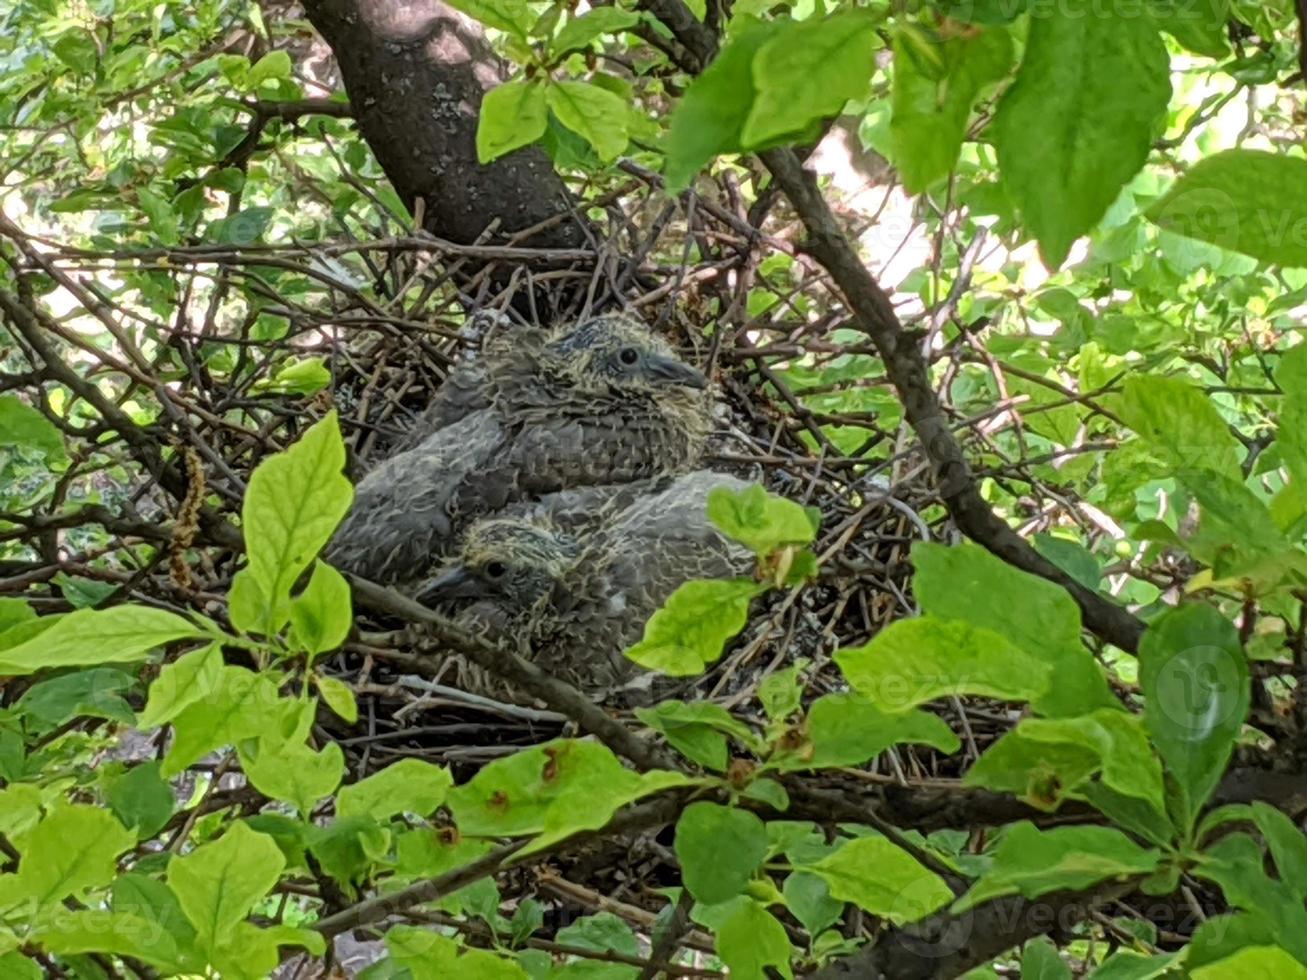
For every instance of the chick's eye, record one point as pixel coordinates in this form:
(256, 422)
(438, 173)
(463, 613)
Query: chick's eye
(496, 569)
(628, 355)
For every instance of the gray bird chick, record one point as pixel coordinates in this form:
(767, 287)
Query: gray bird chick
(579, 598)
(602, 402)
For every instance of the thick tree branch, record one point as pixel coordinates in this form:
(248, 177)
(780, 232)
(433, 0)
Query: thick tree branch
(905, 365)
(415, 73)
(947, 945)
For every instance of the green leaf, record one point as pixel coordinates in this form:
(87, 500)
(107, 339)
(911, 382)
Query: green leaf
(1199, 25)
(1126, 965)
(1080, 119)
(753, 943)
(14, 612)
(781, 692)
(719, 848)
(1291, 433)
(807, 71)
(298, 376)
(294, 502)
(968, 583)
(69, 933)
(935, 85)
(1235, 863)
(1040, 961)
(163, 222)
(848, 730)
(190, 678)
(77, 50)
(697, 730)
(74, 848)
(1072, 557)
(808, 899)
(145, 899)
(1112, 742)
(1288, 846)
(338, 696)
(94, 693)
(291, 770)
(97, 636)
(272, 66)
(592, 112)
(242, 228)
(579, 32)
(1195, 678)
(1247, 201)
(709, 118)
(406, 786)
(512, 115)
(553, 790)
(511, 16)
(1253, 963)
(141, 799)
(16, 966)
(918, 660)
(427, 955)
(218, 884)
(883, 879)
(759, 520)
(601, 933)
(1181, 425)
(691, 629)
(322, 614)
(242, 705)
(250, 610)
(1032, 862)
(22, 425)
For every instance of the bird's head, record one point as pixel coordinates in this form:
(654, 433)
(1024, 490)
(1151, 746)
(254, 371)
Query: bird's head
(509, 562)
(621, 351)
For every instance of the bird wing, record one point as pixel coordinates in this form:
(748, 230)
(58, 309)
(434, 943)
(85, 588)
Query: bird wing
(402, 515)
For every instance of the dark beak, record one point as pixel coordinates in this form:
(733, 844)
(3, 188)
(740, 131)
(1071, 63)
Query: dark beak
(671, 371)
(453, 583)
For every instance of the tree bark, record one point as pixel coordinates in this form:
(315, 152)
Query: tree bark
(416, 71)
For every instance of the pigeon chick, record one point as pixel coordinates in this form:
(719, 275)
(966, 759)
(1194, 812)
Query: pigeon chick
(605, 401)
(579, 598)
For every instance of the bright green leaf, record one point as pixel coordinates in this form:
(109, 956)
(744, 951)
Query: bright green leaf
(190, 678)
(1254, 963)
(338, 696)
(75, 847)
(691, 629)
(1248, 201)
(272, 66)
(1032, 862)
(406, 786)
(807, 71)
(218, 884)
(918, 660)
(294, 502)
(22, 425)
(579, 32)
(719, 848)
(1195, 679)
(592, 112)
(97, 636)
(512, 115)
(553, 790)
(759, 520)
(322, 614)
(932, 98)
(968, 583)
(848, 730)
(753, 943)
(1081, 117)
(883, 879)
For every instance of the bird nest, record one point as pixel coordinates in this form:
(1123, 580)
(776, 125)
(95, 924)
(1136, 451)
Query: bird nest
(803, 408)
(251, 344)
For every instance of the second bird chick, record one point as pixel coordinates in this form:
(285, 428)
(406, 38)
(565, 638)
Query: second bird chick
(579, 598)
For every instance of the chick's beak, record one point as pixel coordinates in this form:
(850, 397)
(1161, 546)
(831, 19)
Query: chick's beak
(453, 583)
(671, 371)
